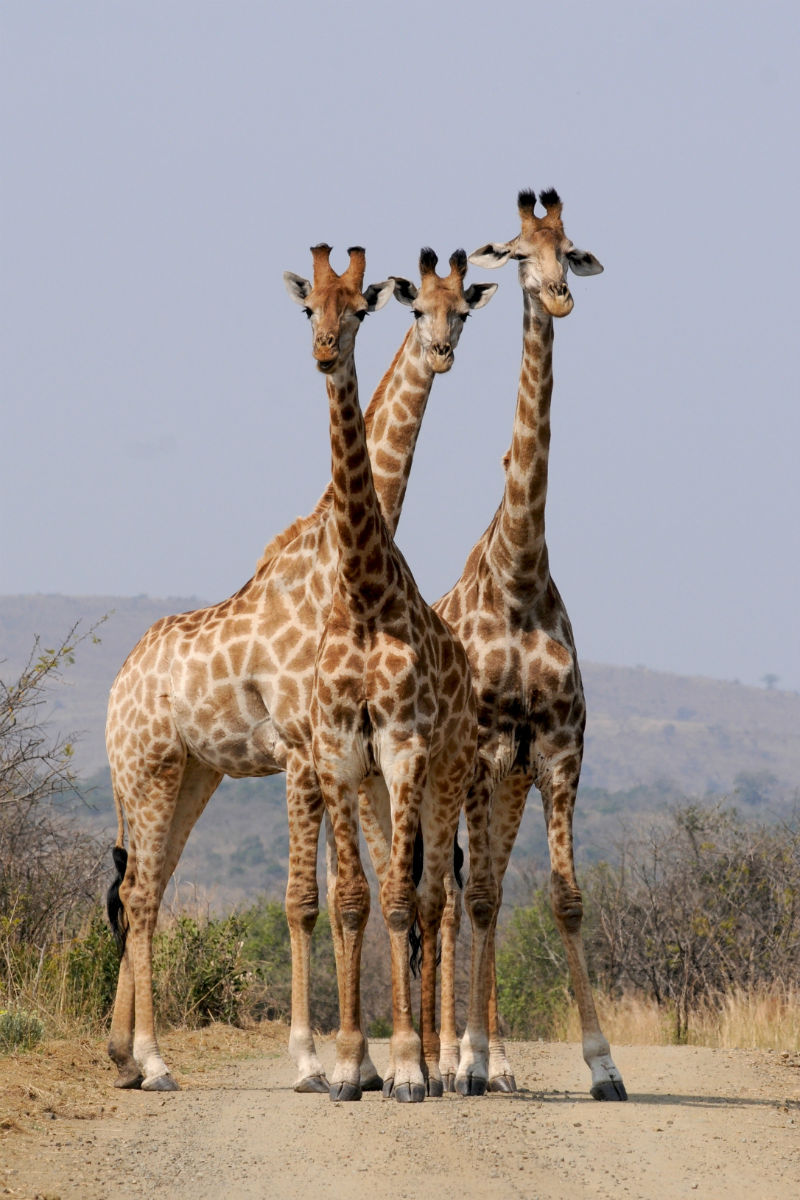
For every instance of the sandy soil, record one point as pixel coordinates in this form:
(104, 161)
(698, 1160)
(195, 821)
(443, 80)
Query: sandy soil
(718, 1124)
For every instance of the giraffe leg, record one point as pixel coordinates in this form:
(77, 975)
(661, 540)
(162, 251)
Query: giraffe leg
(480, 899)
(559, 787)
(305, 808)
(430, 906)
(501, 1074)
(352, 902)
(120, 1042)
(448, 1038)
(155, 851)
(507, 809)
(398, 903)
(141, 896)
(370, 1079)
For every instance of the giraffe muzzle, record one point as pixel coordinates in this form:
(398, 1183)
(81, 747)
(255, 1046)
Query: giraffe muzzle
(441, 357)
(326, 352)
(557, 299)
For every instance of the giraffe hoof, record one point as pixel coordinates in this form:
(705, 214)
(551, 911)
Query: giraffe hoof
(410, 1093)
(388, 1087)
(129, 1079)
(610, 1089)
(435, 1088)
(503, 1083)
(345, 1091)
(313, 1083)
(471, 1085)
(449, 1081)
(161, 1083)
(372, 1083)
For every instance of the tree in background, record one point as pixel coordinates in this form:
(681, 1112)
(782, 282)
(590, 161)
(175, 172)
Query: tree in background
(50, 867)
(703, 904)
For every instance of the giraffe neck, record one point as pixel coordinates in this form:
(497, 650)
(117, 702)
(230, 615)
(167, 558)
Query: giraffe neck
(361, 531)
(393, 419)
(518, 552)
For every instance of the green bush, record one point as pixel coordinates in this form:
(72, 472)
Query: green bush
(267, 950)
(92, 967)
(19, 1030)
(532, 973)
(199, 974)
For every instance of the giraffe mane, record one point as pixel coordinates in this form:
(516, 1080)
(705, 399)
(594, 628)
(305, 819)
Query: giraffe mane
(380, 390)
(288, 535)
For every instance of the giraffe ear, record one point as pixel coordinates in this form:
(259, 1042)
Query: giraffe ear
(479, 294)
(377, 294)
(583, 263)
(493, 254)
(404, 290)
(298, 288)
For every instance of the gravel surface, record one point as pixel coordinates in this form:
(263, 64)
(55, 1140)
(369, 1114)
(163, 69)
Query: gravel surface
(713, 1123)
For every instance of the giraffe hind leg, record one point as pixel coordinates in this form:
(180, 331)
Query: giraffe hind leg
(559, 787)
(181, 794)
(120, 1047)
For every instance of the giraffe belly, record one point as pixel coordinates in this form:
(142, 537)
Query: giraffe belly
(237, 737)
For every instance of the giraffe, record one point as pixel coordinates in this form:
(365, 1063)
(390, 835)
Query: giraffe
(226, 689)
(509, 615)
(391, 696)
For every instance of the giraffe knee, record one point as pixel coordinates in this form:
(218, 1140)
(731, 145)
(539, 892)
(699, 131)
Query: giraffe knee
(567, 904)
(302, 910)
(482, 903)
(399, 906)
(352, 903)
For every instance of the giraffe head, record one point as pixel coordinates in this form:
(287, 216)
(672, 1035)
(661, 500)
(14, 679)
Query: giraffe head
(441, 306)
(335, 304)
(544, 253)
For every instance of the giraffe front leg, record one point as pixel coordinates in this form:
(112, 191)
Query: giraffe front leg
(501, 1073)
(305, 809)
(559, 787)
(352, 902)
(371, 1081)
(507, 809)
(448, 1038)
(405, 1079)
(480, 898)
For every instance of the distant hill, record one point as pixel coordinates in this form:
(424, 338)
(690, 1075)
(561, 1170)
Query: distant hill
(652, 738)
(644, 727)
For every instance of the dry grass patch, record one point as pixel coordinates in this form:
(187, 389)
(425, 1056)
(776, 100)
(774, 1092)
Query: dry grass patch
(765, 1019)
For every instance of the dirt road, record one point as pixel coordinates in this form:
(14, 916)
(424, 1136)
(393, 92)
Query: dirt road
(721, 1125)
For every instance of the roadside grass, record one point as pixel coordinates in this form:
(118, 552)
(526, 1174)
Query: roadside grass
(767, 1019)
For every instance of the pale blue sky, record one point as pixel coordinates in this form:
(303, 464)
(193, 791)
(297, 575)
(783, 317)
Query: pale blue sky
(165, 162)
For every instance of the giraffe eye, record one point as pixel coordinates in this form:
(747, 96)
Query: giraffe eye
(463, 316)
(360, 316)
(307, 311)
(416, 313)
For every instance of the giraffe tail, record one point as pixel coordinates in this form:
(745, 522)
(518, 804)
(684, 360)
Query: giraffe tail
(415, 932)
(114, 906)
